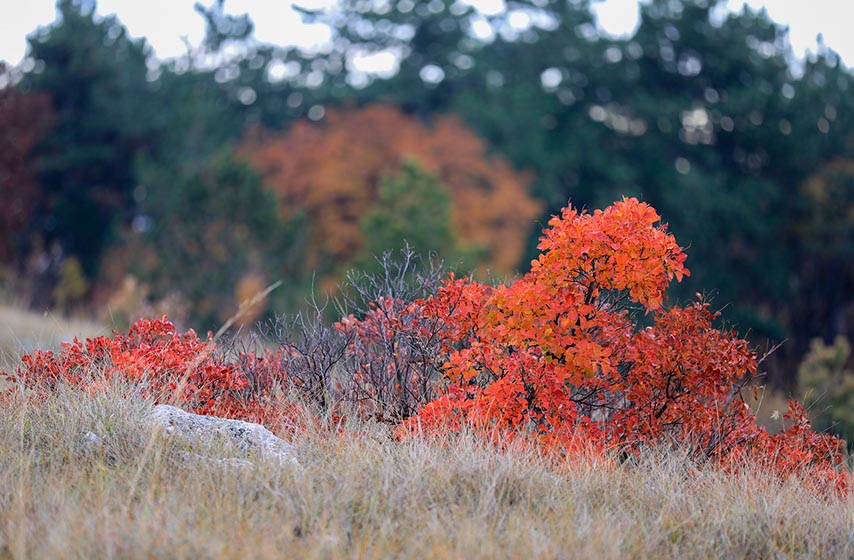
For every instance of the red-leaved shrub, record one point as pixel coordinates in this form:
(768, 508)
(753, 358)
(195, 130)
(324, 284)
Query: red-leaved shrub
(166, 365)
(558, 357)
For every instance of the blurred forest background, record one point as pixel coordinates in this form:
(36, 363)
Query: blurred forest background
(132, 185)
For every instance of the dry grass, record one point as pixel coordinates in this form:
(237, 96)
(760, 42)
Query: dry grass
(367, 496)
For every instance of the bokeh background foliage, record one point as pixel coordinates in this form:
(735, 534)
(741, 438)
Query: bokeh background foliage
(187, 185)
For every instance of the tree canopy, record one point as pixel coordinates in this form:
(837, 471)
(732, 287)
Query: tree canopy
(703, 113)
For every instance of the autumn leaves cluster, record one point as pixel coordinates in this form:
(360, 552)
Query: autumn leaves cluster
(579, 355)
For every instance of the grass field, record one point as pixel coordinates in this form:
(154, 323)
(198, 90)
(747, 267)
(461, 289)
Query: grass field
(362, 494)
(368, 496)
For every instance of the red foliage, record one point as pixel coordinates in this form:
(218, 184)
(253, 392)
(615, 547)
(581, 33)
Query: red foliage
(557, 356)
(166, 365)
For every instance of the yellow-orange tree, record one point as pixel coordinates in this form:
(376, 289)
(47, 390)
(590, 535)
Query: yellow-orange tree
(331, 171)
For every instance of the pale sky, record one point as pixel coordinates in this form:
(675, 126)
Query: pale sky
(165, 22)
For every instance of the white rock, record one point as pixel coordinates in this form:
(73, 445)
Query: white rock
(202, 432)
(232, 463)
(89, 442)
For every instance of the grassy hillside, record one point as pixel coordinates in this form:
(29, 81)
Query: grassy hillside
(372, 497)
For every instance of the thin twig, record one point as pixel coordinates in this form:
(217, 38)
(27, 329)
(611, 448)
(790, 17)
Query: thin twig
(245, 305)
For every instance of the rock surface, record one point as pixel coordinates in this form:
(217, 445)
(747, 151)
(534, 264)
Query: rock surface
(89, 443)
(206, 433)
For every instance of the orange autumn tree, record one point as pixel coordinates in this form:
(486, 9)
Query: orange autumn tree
(331, 171)
(558, 356)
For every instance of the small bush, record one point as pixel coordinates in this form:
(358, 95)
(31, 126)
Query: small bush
(167, 366)
(826, 381)
(395, 348)
(559, 357)
(382, 360)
